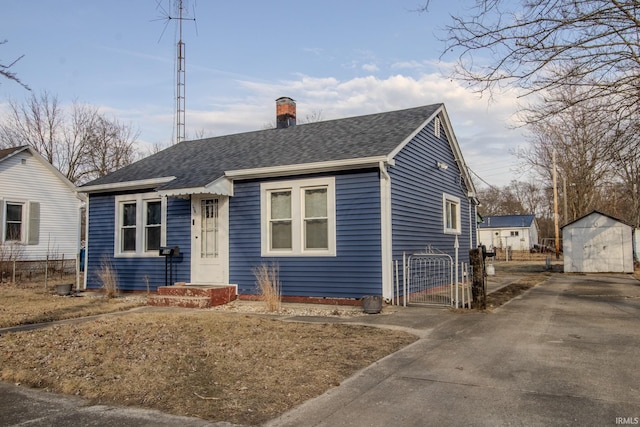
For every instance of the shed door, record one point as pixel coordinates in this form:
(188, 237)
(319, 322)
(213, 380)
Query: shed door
(599, 250)
(209, 240)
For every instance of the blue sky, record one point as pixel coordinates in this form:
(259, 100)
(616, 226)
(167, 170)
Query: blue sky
(341, 58)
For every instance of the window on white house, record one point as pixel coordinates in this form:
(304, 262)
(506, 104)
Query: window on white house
(515, 233)
(451, 214)
(140, 224)
(14, 222)
(298, 217)
(20, 221)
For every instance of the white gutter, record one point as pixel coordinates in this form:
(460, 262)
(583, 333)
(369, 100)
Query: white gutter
(127, 185)
(316, 167)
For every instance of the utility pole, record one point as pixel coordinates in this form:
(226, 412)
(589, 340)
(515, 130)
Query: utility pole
(555, 205)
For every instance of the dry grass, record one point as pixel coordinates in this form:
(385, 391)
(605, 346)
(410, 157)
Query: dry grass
(219, 366)
(268, 285)
(31, 303)
(533, 272)
(108, 276)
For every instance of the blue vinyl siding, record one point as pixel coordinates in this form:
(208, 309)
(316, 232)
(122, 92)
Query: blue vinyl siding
(132, 271)
(356, 269)
(417, 188)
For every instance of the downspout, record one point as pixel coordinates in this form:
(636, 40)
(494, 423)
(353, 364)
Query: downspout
(86, 242)
(470, 226)
(386, 232)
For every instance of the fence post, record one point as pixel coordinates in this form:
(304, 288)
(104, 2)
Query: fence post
(478, 290)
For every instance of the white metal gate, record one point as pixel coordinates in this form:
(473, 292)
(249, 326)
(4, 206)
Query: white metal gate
(430, 279)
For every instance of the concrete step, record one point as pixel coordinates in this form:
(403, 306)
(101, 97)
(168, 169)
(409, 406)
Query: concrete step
(179, 301)
(193, 296)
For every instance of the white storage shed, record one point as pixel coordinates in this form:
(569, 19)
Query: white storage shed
(597, 243)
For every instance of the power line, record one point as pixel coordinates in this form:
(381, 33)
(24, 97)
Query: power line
(482, 179)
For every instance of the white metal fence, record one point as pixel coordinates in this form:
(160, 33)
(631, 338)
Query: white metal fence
(433, 278)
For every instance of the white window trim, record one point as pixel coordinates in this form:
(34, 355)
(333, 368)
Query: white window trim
(455, 200)
(297, 188)
(141, 212)
(24, 224)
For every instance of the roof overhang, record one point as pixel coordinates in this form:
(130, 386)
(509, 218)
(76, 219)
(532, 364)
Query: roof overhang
(222, 186)
(453, 143)
(142, 184)
(306, 168)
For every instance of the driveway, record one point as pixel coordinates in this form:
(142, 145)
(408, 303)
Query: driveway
(565, 353)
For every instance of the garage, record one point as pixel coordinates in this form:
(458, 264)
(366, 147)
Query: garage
(597, 243)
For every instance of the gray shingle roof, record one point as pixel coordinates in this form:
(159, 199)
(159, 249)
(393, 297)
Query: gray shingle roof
(197, 163)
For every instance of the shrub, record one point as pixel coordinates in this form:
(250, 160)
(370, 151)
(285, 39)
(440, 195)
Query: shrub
(108, 276)
(268, 285)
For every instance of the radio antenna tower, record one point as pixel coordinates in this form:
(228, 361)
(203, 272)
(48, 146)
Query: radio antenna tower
(180, 67)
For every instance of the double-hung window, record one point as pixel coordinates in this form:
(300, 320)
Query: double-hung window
(19, 222)
(140, 224)
(14, 222)
(451, 214)
(128, 226)
(153, 225)
(298, 217)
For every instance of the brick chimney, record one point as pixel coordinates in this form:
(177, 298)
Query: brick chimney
(285, 112)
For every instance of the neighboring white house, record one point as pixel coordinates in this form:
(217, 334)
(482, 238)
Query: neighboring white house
(597, 243)
(520, 232)
(39, 208)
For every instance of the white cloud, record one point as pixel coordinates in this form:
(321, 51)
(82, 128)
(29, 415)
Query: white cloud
(482, 128)
(371, 68)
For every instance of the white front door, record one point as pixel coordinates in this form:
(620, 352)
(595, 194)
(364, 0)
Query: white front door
(209, 240)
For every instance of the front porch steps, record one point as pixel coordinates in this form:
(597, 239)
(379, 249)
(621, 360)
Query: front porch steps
(193, 296)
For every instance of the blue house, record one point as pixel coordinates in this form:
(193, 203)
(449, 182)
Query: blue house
(332, 203)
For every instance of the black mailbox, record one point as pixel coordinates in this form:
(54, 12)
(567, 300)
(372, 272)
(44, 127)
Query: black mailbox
(485, 253)
(168, 253)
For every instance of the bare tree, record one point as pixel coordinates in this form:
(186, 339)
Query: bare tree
(79, 141)
(109, 145)
(541, 46)
(582, 136)
(624, 195)
(499, 201)
(5, 70)
(37, 122)
(530, 196)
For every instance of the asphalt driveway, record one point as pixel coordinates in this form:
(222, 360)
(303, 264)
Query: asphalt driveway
(565, 353)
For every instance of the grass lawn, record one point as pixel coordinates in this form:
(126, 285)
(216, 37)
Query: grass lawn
(219, 366)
